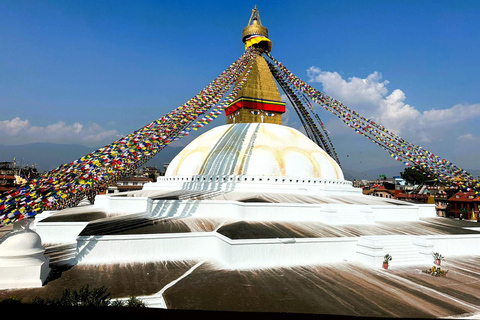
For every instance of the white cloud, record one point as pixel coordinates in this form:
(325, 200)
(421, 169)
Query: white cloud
(452, 116)
(18, 131)
(469, 138)
(370, 97)
(356, 91)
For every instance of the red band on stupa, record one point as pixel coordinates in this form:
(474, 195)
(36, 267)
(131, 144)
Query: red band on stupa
(259, 104)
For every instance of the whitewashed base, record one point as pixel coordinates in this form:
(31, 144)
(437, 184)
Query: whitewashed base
(20, 276)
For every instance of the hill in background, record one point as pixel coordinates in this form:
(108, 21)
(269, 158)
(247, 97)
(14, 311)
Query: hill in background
(48, 156)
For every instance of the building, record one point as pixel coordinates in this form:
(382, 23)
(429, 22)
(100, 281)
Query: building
(135, 182)
(130, 183)
(12, 176)
(153, 172)
(379, 191)
(433, 194)
(441, 203)
(463, 205)
(7, 176)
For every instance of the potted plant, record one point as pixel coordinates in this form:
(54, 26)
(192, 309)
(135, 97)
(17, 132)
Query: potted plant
(386, 259)
(437, 257)
(436, 271)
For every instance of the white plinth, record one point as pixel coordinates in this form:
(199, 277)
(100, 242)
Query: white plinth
(22, 260)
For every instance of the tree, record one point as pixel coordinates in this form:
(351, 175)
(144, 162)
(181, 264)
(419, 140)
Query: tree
(415, 175)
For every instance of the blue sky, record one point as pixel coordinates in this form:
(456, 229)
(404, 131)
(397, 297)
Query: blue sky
(88, 72)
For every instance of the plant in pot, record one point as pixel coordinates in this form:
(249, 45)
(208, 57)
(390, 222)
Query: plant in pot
(437, 257)
(386, 259)
(436, 271)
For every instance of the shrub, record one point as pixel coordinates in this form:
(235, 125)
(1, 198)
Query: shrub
(97, 297)
(84, 297)
(11, 301)
(131, 302)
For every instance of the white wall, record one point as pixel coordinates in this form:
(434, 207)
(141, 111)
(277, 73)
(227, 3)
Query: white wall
(210, 245)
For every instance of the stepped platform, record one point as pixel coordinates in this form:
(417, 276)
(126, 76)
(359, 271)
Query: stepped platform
(258, 244)
(316, 266)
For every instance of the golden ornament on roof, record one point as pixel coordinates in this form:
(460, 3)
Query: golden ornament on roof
(256, 34)
(254, 26)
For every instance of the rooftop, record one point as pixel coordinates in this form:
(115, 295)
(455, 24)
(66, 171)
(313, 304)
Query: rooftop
(329, 289)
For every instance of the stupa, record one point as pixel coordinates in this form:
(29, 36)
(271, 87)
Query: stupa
(255, 216)
(252, 169)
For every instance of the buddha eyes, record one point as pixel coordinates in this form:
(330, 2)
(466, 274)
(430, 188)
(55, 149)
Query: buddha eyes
(257, 112)
(234, 114)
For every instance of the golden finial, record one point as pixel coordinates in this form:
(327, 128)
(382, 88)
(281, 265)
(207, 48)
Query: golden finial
(254, 29)
(255, 16)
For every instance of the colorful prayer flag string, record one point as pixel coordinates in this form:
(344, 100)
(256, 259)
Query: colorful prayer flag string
(399, 148)
(68, 184)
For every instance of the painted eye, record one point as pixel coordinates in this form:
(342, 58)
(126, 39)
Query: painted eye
(255, 112)
(269, 114)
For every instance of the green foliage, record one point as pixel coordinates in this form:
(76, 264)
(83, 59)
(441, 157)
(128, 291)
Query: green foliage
(135, 302)
(415, 175)
(437, 256)
(387, 258)
(131, 302)
(96, 297)
(84, 297)
(11, 301)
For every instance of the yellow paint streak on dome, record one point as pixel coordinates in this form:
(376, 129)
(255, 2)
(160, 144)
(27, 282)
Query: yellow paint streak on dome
(202, 146)
(265, 149)
(277, 155)
(280, 154)
(334, 164)
(308, 154)
(187, 154)
(336, 167)
(275, 144)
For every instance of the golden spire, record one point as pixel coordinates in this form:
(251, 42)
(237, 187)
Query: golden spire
(255, 17)
(259, 99)
(255, 33)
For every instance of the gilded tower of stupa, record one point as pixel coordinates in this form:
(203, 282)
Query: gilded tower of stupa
(259, 100)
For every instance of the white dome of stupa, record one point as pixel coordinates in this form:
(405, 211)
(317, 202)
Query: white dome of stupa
(254, 149)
